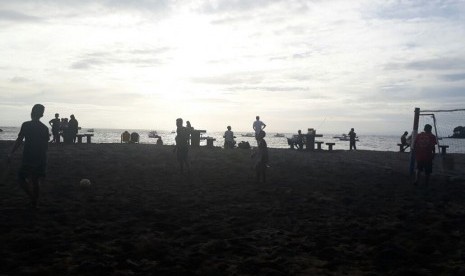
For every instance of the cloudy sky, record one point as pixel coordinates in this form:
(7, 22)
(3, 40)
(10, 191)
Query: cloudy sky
(327, 64)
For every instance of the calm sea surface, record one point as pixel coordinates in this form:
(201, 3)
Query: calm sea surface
(367, 142)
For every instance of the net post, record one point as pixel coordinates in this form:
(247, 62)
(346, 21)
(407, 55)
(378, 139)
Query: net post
(416, 119)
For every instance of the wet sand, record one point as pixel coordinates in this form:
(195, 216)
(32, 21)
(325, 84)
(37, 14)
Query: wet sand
(320, 213)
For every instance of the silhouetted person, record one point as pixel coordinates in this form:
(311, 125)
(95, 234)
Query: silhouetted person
(258, 126)
(34, 162)
(300, 140)
(159, 141)
(189, 130)
(404, 141)
(425, 149)
(261, 157)
(352, 137)
(73, 127)
(125, 137)
(229, 138)
(56, 124)
(182, 145)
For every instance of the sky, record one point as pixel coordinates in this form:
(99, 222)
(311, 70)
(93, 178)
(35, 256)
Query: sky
(329, 65)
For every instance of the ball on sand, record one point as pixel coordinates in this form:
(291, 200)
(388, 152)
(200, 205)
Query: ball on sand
(84, 182)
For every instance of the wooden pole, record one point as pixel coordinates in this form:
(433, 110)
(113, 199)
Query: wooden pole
(416, 119)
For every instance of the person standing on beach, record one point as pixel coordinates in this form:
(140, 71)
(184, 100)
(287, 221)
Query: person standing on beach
(34, 162)
(424, 147)
(182, 145)
(261, 158)
(73, 126)
(229, 138)
(189, 130)
(56, 123)
(352, 137)
(258, 126)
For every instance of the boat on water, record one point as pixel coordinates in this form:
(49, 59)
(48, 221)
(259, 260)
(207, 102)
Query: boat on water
(279, 135)
(153, 134)
(250, 134)
(344, 137)
(90, 130)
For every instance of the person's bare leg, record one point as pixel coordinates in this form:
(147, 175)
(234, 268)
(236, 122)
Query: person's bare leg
(35, 191)
(25, 185)
(417, 176)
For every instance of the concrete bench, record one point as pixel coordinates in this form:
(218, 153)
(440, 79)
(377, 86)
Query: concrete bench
(330, 146)
(403, 147)
(443, 149)
(210, 141)
(318, 144)
(88, 138)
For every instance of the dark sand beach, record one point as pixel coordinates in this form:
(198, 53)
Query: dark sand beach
(321, 213)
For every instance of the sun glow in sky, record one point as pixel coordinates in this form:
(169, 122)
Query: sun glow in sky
(330, 65)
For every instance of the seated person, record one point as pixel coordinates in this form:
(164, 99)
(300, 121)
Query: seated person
(405, 141)
(159, 141)
(229, 138)
(296, 140)
(125, 137)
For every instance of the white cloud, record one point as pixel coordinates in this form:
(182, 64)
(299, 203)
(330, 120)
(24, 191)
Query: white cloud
(297, 63)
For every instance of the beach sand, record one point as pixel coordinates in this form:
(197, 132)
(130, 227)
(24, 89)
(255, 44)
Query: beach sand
(320, 213)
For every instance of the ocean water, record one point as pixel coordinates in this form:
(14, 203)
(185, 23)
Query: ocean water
(366, 142)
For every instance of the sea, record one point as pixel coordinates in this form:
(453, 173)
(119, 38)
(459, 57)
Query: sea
(366, 142)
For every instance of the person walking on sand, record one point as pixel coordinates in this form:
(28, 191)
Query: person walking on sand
(56, 123)
(229, 138)
(261, 158)
(258, 126)
(424, 147)
(34, 161)
(182, 145)
(352, 137)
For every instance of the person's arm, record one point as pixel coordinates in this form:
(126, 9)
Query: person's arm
(264, 126)
(17, 144)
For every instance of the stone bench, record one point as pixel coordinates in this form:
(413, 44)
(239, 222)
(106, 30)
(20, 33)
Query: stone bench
(330, 146)
(318, 144)
(88, 138)
(210, 141)
(443, 149)
(403, 147)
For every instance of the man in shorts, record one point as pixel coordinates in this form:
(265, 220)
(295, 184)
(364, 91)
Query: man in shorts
(34, 162)
(424, 147)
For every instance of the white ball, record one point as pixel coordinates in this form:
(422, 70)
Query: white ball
(84, 182)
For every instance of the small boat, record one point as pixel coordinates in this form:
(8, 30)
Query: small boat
(90, 130)
(174, 131)
(153, 134)
(279, 135)
(250, 134)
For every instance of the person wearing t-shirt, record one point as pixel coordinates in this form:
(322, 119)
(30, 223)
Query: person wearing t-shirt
(258, 126)
(34, 161)
(424, 147)
(56, 123)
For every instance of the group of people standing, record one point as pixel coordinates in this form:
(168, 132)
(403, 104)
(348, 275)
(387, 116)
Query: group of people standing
(36, 136)
(65, 128)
